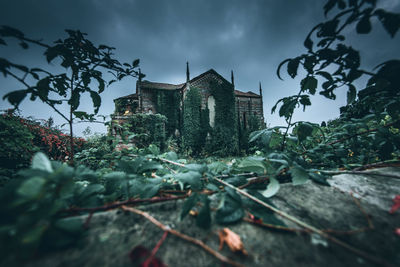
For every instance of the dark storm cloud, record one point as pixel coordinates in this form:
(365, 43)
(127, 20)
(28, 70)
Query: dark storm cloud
(250, 37)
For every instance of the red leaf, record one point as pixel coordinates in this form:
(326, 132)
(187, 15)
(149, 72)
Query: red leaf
(396, 204)
(397, 231)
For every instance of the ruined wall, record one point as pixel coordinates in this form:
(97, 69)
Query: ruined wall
(147, 95)
(248, 106)
(204, 85)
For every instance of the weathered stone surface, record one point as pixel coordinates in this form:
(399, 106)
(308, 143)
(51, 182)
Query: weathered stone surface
(113, 234)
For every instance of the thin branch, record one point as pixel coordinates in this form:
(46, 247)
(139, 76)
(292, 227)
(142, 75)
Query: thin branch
(121, 203)
(308, 227)
(45, 101)
(192, 240)
(172, 162)
(388, 163)
(147, 262)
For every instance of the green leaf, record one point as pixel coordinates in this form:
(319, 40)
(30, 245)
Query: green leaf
(16, 97)
(385, 150)
(201, 168)
(304, 130)
(308, 43)
(230, 212)
(272, 188)
(288, 106)
(309, 83)
(233, 194)
(351, 94)
(171, 156)
(51, 53)
(217, 167)
(260, 211)
(305, 101)
(252, 164)
(204, 218)
(150, 190)
(192, 178)
(135, 63)
(32, 187)
(293, 66)
(299, 175)
(189, 204)
(74, 100)
(364, 25)
(390, 21)
(34, 235)
(81, 115)
(318, 178)
(329, 5)
(278, 70)
(71, 225)
(96, 101)
(154, 149)
(8, 31)
(41, 162)
(326, 75)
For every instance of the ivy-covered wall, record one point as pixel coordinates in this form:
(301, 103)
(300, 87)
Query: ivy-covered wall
(224, 135)
(193, 139)
(168, 103)
(141, 129)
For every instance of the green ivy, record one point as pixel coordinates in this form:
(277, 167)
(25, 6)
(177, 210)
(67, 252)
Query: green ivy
(168, 104)
(193, 134)
(146, 129)
(224, 136)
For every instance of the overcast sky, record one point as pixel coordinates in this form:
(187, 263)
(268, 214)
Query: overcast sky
(249, 37)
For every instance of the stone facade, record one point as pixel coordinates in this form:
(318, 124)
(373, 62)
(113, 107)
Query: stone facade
(247, 103)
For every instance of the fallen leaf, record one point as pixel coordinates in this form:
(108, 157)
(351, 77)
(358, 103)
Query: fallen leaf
(397, 231)
(193, 212)
(232, 240)
(396, 204)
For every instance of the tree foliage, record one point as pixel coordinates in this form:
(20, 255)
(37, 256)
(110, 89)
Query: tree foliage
(84, 64)
(335, 64)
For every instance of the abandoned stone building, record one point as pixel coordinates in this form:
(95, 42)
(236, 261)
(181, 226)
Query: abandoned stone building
(144, 100)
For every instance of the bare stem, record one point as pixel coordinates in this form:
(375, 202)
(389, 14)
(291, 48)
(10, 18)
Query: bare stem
(192, 240)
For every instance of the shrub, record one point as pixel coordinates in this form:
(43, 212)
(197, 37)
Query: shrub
(144, 129)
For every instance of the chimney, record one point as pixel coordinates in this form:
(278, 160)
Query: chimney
(232, 79)
(187, 72)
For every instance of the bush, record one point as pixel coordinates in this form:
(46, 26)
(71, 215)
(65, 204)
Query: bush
(21, 138)
(145, 129)
(97, 152)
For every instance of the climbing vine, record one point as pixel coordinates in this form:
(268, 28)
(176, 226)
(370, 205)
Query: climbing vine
(168, 104)
(193, 138)
(224, 136)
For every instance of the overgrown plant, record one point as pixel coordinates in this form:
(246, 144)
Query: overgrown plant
(327, 50)
(84, 63)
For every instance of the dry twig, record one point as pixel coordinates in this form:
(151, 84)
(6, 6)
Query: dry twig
(183, 236)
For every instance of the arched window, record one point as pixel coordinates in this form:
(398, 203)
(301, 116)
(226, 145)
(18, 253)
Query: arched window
(211, 108)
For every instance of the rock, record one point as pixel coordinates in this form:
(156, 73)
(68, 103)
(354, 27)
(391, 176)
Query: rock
(113, 234)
